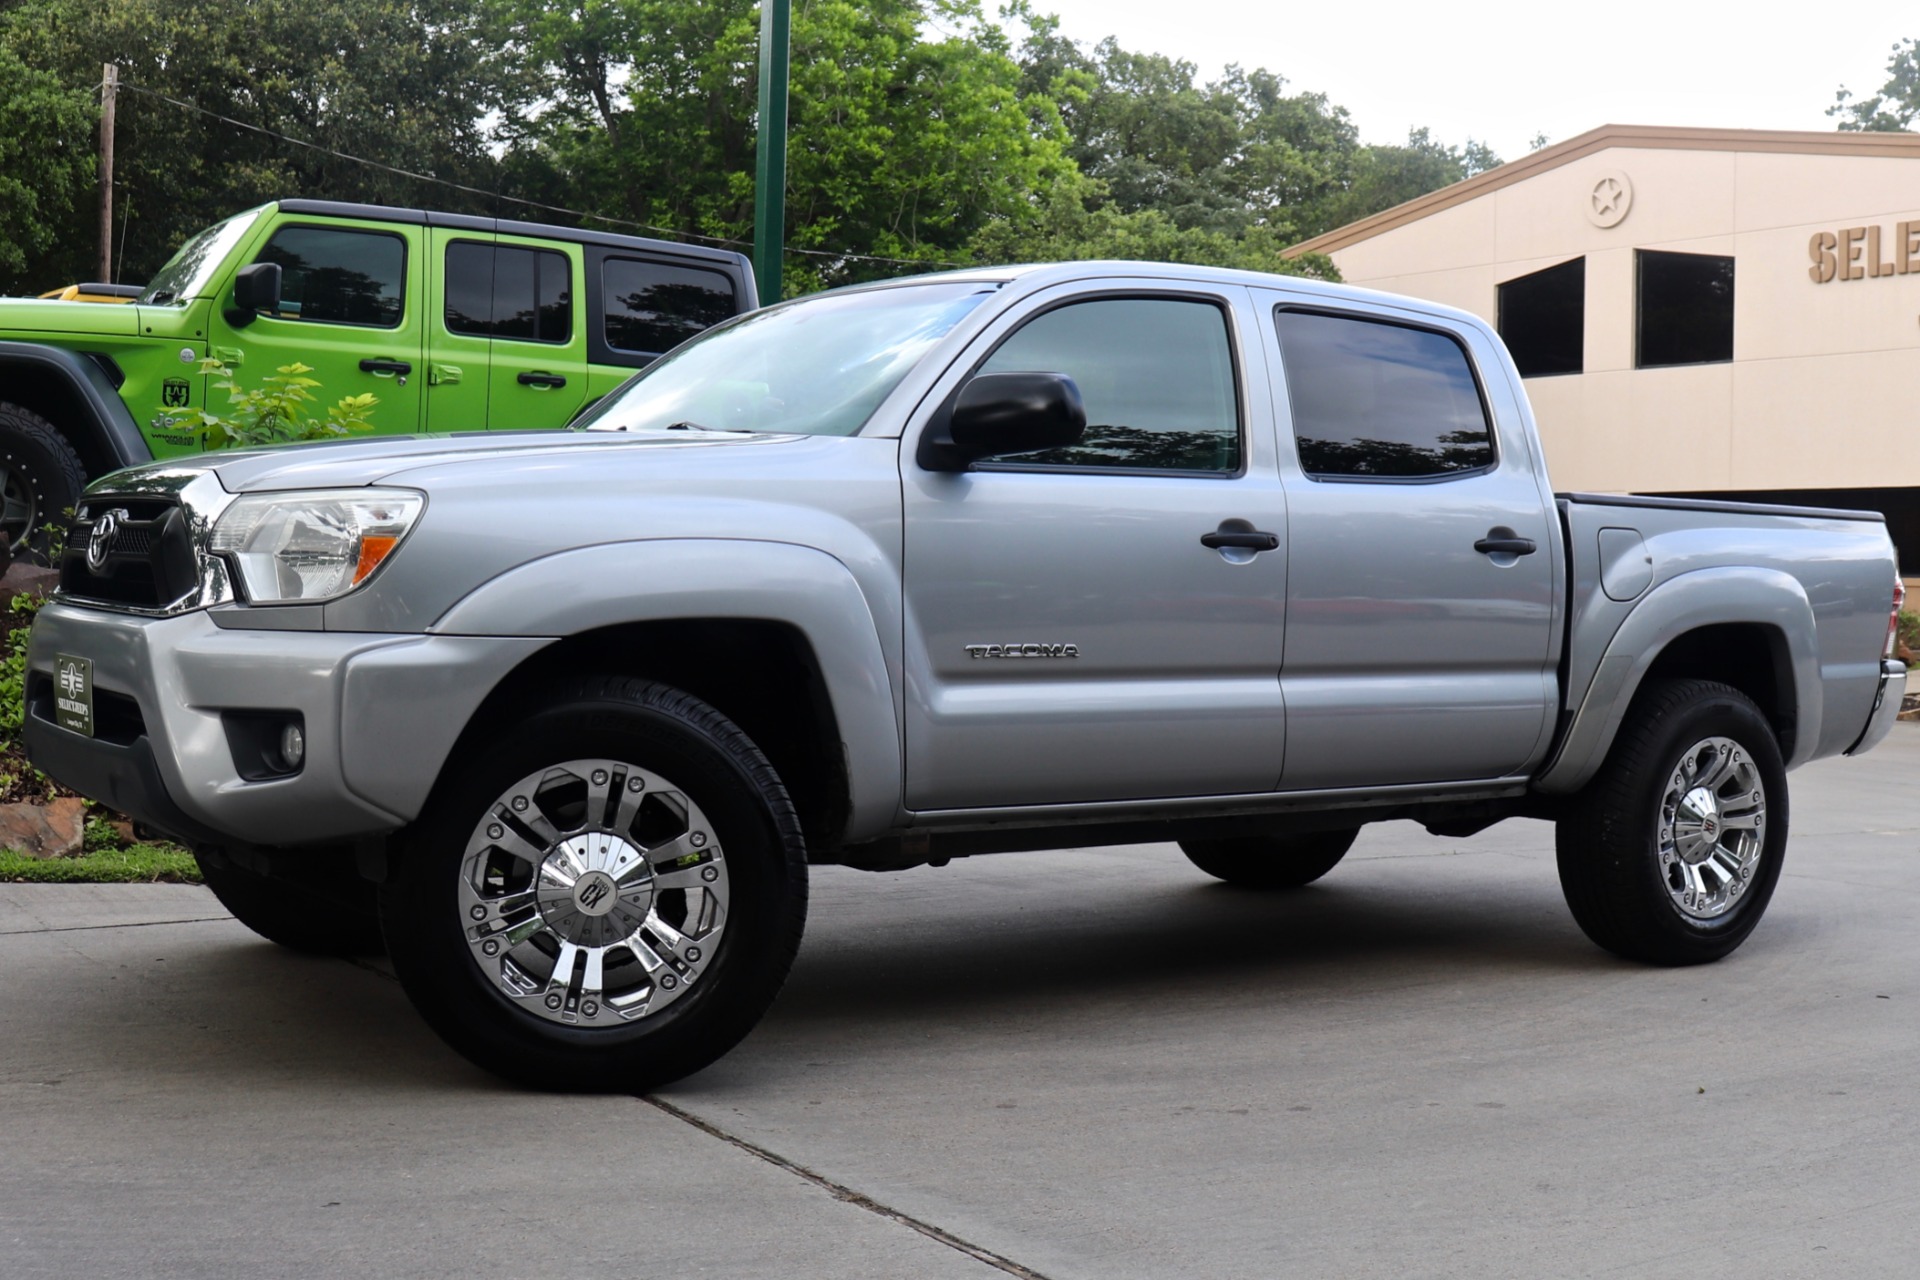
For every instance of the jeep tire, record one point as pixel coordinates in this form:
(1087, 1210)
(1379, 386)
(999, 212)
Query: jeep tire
(40, 480)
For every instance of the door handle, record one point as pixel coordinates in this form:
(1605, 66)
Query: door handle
(371, 365)
(542, 380)
(1250, 540)
(1501, 540)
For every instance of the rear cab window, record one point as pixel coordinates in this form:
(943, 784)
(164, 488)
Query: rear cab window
(1374, 399)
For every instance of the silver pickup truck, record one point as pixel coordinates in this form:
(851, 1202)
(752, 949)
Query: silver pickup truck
(1012, 559)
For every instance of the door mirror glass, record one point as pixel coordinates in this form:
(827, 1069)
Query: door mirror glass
(256, 288)
(999, 413)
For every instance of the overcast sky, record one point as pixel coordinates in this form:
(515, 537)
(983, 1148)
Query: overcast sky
(1503, 70)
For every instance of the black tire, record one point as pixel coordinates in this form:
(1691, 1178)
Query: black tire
(755, 851)
(341, 919)
(1613, 868)
(40, 480)
(1277, 862)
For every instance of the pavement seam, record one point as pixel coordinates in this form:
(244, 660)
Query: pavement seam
(845, 1194)
(130, 924)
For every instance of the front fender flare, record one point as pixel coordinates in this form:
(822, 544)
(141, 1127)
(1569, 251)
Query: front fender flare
(110, 425)
(659, 580)
(1702, 598)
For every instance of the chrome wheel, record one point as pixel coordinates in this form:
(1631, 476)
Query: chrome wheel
(1712, 828)
(593, 893)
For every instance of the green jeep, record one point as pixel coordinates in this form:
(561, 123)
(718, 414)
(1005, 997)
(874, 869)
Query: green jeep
(455, 323)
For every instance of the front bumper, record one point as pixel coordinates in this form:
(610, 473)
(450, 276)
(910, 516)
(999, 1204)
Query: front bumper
(381, 715)
(1886, 706)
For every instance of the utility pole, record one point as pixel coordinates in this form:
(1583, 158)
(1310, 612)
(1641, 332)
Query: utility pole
(770, 169)
(109, 90)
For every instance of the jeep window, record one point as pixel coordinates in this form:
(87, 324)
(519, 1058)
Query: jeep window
(1373, 400)
(507, 292)
(189, 272)
(1156, 375)
(816, 366)
(652, 307)
(335, 276)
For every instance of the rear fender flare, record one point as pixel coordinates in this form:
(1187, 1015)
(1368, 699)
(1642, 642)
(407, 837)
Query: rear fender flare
(1703, 598)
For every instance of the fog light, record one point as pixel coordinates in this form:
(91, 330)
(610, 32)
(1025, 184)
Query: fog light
(293, 746)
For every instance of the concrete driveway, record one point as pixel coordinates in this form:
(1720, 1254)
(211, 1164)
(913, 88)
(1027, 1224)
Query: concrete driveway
(1083, 1064)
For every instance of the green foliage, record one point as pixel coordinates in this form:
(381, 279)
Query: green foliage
(275, 412)
(139, 864)
(1909, 631)
(13, 673)
(46, 158)
(407, 82)
(1895, 107)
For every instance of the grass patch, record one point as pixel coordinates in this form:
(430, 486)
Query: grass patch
(137, 864)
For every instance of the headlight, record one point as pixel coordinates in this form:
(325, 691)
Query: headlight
(288, 547)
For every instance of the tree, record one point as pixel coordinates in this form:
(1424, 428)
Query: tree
(1384, 176)
(909, 128)
(46, 159)
(406, 82)
(1895, 107)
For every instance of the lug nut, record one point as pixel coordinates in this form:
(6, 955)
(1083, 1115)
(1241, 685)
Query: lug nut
(590, 1009)
(553, 1001)
(709, 874)
(519, 804)
(599, 777)
(698, 839)
(693, 953)
(491, 947)
(636, 784)
(496, 831)
(477, 911)
(669, 982)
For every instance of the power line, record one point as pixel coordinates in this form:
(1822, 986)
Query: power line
(665, 232)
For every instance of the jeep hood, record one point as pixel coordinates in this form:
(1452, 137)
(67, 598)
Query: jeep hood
(21, 318)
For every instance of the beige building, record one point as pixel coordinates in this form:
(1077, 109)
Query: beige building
(1697, 311)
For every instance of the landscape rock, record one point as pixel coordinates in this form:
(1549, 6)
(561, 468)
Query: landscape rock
(26, 580)
(51, 830)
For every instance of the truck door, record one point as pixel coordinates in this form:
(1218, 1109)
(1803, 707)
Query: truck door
(1068, 635)
(460, 331)
(1420, 601)
(351, 309)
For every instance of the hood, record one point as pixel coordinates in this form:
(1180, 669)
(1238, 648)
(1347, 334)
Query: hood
(342, 464)
(27, 316)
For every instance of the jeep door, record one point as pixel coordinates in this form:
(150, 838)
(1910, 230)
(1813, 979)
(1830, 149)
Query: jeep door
(351, 309)
(1421, 602)
(539, 373)
(1068, 635)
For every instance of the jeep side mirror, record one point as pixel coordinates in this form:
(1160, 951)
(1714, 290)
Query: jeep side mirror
(256, 288)
(999, 413)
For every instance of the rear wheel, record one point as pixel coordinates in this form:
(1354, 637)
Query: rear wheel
(1271, 862)
(604, 896)
(1670, 855)
(40, 479)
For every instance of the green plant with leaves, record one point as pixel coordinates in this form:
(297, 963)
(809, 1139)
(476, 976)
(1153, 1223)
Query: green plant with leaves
(13, 670)
(278, 411)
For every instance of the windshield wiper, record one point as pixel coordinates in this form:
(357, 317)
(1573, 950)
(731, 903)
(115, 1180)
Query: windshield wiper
(697, 426)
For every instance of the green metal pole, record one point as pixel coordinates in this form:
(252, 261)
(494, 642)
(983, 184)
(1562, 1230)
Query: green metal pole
(770, 172)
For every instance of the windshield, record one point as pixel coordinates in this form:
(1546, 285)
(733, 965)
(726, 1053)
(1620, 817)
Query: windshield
(818, 366)
(190, 270)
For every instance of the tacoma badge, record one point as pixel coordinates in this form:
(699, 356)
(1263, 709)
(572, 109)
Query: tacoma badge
(1023, 651)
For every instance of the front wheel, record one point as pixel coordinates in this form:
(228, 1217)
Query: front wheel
(40, 479)
(1278, 862)
(604, 896)
(1670, 855)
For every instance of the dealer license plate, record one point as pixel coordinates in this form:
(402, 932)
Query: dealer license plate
(73, 693)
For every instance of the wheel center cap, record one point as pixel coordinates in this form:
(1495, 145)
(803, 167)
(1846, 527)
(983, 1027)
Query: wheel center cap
(594, 894)
(1697, 824)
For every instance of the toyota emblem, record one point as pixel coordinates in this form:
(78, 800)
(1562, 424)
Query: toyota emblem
(100, 544)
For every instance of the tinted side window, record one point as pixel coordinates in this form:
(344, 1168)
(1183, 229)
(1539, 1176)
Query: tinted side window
(469, 288)
(1156, 375)
(339, 276)
(532, 295)
(652, 307)
(1543, 319)
(1374, 399)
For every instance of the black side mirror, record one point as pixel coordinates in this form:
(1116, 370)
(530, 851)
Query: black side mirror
(256, 288)
(1000, 413)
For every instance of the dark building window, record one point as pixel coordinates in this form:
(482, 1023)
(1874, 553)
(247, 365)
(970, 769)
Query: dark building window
(1373, 399)
(1543, 319)
(1685, 313)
